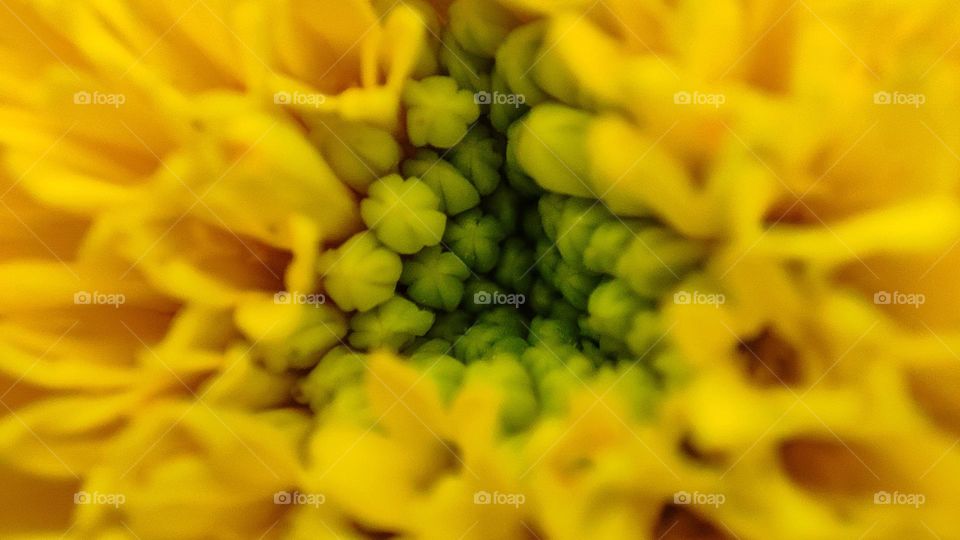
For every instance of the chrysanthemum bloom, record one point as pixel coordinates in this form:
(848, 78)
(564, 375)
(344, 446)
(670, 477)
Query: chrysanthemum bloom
(479, 269)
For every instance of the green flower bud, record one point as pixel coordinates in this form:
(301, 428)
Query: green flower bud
(519, 51)
(516, 177)
(359, 154)
(551, 147)
(456, 193)
(556, 386)
(450, 326)
(438, 113)
(475, 238)
(479, 157)
(403, 214)
(469, 70)
(290, 336)
(360, 273)
(503, 113)
(656, 259)
(577, 222)
(516, 269)
(542, 296)
(550, 207)
(481, 340)
(339, 369)
(553, 332)
(612, 307)
(607, 244)
(574, 284)
(480, 26)
(428, 348)
(506, 205)
(445, 371)
(434, 278)
(520, 407)
(547, 258)
(510, 318)
(392, 325)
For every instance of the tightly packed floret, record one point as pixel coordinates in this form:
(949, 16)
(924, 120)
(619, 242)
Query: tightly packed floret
(531, 290)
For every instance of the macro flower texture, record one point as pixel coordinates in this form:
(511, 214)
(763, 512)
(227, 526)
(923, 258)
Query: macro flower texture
(479, 269)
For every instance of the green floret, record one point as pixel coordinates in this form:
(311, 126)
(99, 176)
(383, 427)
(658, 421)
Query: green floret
(428, 348)
(656, 259)
(438, 113)
(516, 177)
(499, 331)
(542, 296)
(612, 307)
(553, 332)
(564, 311)
(450, 326)
(636, 384)
(551, 147)
(455, 192)
(475, 238)
(519, 407)
(550, 207)
(404, 214)
(578, 220)
(515, 269)
(479, 341)
(506, 205)
(510, 318)
(445, 371)
(361, 273)
(505, 112)
(480, 26)
(320, 329)
(546, 258)
(479, 157)
(574, 284)
(358, 153)
(607, 244)
(392, 325)
(556, 386)
(469, 70)
(337, 370)
(434, 278)
(519, 51)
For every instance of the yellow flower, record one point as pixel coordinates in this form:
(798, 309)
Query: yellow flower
(741, 274)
